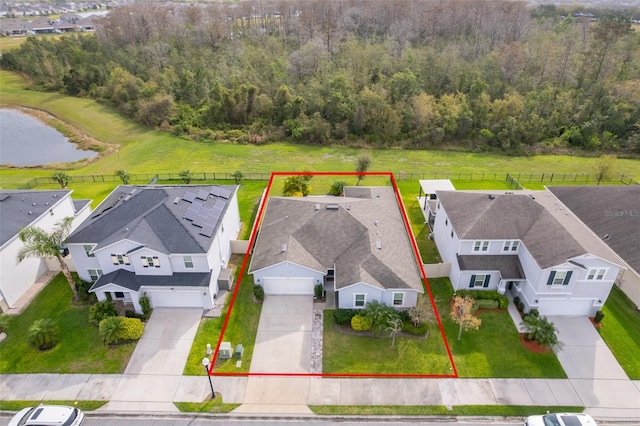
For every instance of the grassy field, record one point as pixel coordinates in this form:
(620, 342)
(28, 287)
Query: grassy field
(146, 151)
(495, 349)
(79, 349)
(621, 331)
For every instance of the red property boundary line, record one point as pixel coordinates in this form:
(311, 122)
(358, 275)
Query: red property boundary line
(414, 245)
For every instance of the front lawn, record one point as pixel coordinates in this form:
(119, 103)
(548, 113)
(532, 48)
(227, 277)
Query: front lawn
(79, 349)
(349, 354)
(495, 349)
(241, 328)
(440, 410)
(621, 331)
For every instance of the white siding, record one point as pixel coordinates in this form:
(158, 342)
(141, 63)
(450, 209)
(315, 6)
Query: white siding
(287, 269)
(288, 286)
(346, 295)
(178, 297)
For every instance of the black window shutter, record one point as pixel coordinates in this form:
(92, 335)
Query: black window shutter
(552, 275)
(567, 278)
(486, 281)
(473, 280)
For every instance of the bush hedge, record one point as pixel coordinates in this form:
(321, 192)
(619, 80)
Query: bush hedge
(502, 300)
(102, 310)
(486, 304)
(409, 328)
(132, 328)
(343, 316)
(361, 323)
(258, 292)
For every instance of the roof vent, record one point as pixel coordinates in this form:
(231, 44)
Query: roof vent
(33, 204)
(29, 211)
(376, 223)
(379, 245)
(176, 200)
(491, 196)
(55, 195)
(332, 207)
(606, 237)
(283, 248)
(317, 207)
(348, 206)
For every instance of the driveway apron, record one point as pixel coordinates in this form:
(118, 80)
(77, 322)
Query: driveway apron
(283, 341)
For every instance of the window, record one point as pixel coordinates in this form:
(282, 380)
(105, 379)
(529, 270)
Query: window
(188, 261)
(438, 206)
(148, 261)
(559, 278)
(452, 233)
(398, 299)
(119, 295)
(481, 246)
(479, 281)
(120, 259)
(446, 222)
(359, 300)
(510, 246)
(94, 274)
(596, 274)
(87, 249)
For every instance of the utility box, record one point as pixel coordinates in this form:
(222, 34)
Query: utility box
(239, 350)
(225, 351)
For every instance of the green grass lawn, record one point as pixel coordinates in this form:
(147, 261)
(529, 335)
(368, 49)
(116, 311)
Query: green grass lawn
(440, 410)
(82, 405)
(495, 349)
(621, 331)
(349, 354)
(409, 190)
(79, 350)
(211, 406)
(241, 328)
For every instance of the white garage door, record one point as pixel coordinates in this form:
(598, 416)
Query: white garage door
(285, 285)
(565, 307)
(182, 298)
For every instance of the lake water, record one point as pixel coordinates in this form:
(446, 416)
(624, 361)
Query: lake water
(25, 141)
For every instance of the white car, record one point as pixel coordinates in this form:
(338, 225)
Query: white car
(560, 419)
(48, 415)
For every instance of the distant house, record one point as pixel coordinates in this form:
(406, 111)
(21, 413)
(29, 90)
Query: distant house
(612, 213)
(170, 243)
(523, 244)
(20, 209)
(356, 246)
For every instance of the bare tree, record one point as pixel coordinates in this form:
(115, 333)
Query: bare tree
(363, 162)
(605, 167)
(461, 314)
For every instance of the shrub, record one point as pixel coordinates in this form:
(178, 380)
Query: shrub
(102, 310)
(132, 328)
(534, 312)
(486, 304)
(520, 307)
(361, 323)
(540, 330)
(501, 299)
(318, 290)
(408, 327)
(43, 333)
(516, 300)
(343, 316)
(258, 292)
(110, 330)
(145, 304)
(599, 316)
(83, 289)
(337, 188)
(4, 321)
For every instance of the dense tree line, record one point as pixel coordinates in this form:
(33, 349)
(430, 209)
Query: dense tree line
(480, 74)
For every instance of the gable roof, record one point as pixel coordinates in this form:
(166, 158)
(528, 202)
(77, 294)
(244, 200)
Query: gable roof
(482, 216)
(342, 232)
(20, 208)
(611, 212)
(134, 282)
(154, 216)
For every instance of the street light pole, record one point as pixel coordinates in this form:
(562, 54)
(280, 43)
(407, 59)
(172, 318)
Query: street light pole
(205, 363)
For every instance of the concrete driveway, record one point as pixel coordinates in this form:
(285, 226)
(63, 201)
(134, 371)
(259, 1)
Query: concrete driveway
(584, 354)
(283, 341)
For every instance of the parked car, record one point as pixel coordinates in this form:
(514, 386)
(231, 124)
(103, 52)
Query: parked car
(48, 415)
(560, 419)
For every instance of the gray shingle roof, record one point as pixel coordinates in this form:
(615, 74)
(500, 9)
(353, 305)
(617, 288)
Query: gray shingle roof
(346, 236)
(508, 265)
(17, 209)
(477, 216)
(608, 210)
(149, 216)
(133, 282)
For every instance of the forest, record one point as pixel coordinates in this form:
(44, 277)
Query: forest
(463, 74)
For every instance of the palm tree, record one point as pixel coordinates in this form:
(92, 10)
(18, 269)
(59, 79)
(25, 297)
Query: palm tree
(395, 327)
(541, 330)
(38, 243)
(42, 333)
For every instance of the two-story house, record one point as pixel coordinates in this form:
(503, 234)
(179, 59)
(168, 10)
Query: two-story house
(356, 246)
(170, 243)
(20, 209)
(522, 243)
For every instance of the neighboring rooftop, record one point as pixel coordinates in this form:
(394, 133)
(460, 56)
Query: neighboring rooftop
(20, 208)
(168, 219)
(513, 216)
(362, 234)
(611, 212)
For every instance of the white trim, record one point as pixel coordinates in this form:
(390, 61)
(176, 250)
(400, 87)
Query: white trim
(393, 298)
(286, 262)
(363, 283)
(364, 302)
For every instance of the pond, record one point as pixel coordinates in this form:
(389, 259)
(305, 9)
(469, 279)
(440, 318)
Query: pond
(26, 141)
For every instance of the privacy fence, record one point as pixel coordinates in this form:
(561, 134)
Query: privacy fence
(515, 180)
